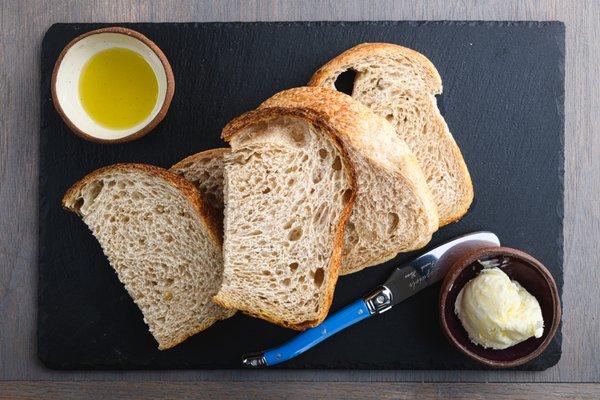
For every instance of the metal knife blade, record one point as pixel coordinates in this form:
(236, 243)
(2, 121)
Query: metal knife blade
(402, 283)
(432, 266)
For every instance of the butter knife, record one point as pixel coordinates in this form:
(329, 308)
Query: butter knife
(404, 282)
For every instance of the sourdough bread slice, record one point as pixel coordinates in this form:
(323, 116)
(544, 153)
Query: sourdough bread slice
(394, 210)
(400, 85)
(162, 242)
(289, 190)
(205, 171)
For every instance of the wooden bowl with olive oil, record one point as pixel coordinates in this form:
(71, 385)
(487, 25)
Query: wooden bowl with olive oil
(112, 85)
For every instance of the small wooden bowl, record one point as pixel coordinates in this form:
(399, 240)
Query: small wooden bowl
(526, 270)
(67, 70)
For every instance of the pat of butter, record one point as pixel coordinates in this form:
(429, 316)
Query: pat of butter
(496, 312)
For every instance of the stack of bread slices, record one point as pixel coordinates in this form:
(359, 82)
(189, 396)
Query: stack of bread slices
(315, 183)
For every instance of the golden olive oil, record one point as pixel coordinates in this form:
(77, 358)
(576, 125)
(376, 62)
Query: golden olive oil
(118, 88)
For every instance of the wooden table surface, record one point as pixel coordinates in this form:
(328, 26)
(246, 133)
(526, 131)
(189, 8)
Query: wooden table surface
(22, 26)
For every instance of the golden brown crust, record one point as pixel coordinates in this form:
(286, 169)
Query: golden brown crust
(189, 161)
(349, 57)
(205, 215)
(318, 120)
(348, 116)
(353, 120)
(352, 56)
(163, 109)
(198, 157)
(189, 191)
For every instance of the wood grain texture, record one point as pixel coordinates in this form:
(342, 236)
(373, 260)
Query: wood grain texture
(23, 24)
(292, 390)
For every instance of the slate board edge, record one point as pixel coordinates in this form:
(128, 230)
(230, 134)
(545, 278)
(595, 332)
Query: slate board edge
(43, 206)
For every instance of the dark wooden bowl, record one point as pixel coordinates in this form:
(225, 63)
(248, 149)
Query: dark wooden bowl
(526, 270)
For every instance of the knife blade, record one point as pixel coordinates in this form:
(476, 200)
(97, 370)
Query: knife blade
(404, 282)
(432, 266)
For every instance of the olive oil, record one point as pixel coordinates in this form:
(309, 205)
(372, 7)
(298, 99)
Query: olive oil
(118, 88)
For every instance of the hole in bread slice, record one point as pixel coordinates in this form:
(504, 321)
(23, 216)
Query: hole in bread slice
(345, 81)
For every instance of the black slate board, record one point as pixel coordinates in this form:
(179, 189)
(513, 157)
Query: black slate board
(503, 100)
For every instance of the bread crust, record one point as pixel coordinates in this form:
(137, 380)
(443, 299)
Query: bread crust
(348, 57)
(433, 81)
(357, 121)
(205, 216)
(318, 120)
(466, 189)
(201, 156)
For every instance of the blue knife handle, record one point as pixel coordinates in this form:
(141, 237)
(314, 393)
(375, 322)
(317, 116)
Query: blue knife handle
(340, 320)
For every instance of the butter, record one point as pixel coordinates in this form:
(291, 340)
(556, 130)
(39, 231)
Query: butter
(496, 312)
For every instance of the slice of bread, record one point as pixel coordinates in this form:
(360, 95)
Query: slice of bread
(400, 84)
(394, 210)
(289, 190)
(205, 171)
(162, 242)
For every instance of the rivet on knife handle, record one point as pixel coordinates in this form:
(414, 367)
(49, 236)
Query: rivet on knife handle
(380, 300)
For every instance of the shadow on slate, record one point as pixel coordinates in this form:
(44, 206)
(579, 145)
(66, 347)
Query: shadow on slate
(503, 101)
